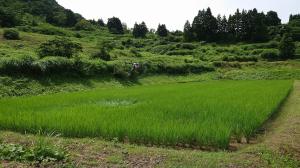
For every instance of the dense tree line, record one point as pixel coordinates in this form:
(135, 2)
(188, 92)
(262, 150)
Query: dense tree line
(294, 20)
(243, 25)
(98, 23)
(50, 10)
(294, 26)
(8, 18)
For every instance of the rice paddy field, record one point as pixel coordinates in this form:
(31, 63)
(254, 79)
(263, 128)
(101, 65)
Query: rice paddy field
(197, 113)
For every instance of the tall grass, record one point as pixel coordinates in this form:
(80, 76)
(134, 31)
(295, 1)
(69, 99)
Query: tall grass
(208, 113)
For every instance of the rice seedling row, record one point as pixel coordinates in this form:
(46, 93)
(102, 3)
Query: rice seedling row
(202, 114)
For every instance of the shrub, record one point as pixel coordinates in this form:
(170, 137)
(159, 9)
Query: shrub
(188, 46)
(60, 65)
(91, 67)
(84, 25)
(270, 54)
(172, 38)
(257, 51)
(17, 65)
(62, 47)
(240, 58)
(225, 64)
(27, 65)
(133, 43)
(127, 43)
(45, 29)
(55, 65)
(102, 54)
(162, 49)
(120, 71)
(11, 34)
(186, 68)
(272, 44)
(50, 30)
(78, 35)
(180, 52)
(176, 68)
(135, 53)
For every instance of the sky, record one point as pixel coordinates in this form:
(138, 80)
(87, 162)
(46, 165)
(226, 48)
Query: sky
(173, 13)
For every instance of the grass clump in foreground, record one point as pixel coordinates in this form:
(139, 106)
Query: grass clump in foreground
(42, 151)
(202, 114)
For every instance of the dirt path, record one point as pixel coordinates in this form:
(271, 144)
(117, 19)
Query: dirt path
(283, 132)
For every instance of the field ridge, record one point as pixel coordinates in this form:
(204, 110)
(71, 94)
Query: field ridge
(283, 132)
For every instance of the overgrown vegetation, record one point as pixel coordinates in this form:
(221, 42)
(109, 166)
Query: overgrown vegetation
(61, 47)
(41, 152)
(159, 51)
(11, 34)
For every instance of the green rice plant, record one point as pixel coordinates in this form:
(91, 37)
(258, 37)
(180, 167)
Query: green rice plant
(202, 114)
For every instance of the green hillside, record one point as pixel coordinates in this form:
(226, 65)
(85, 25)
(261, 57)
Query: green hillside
(122, 97)
(47, 39)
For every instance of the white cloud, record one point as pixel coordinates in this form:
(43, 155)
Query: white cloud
(173, 13)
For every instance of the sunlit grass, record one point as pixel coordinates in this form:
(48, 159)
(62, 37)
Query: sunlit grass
(207, 113)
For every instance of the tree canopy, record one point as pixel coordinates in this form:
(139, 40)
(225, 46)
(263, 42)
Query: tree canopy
(241, 26)
(115, 26)
(287, 47)
(162, 30)
(8, 18)
(140, 30)
(188, 35)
